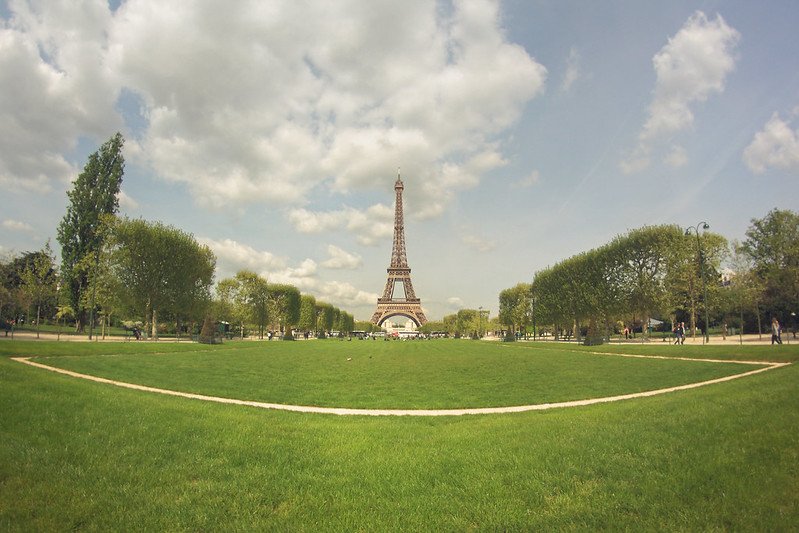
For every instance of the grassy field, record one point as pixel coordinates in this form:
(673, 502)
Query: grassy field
(86, 456)
(391, 375)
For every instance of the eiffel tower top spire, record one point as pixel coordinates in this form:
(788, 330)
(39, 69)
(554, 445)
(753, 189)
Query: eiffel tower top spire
(398, 256)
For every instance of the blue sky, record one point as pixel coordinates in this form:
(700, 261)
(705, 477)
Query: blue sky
(526, 131)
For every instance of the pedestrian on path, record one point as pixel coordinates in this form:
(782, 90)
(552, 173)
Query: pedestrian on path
(776, 332)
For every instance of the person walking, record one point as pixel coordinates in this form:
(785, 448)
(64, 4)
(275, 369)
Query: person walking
(679, 333)
(775, 331)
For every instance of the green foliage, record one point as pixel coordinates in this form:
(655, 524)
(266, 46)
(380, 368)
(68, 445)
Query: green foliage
(432, 326)
(515, 307)
(208, 333)
(772, 243)
(327, 316)
(346, 323)
(94, 193)
(285, 301)
(244, 300)
(160, 269)
(651, 271)
(307, 320)
(39, 281)
(368, 327)
(38, 268)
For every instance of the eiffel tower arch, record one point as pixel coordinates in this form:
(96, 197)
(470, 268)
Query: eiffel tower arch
(399, 298)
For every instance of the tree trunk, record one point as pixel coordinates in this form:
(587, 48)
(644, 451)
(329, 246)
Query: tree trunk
(80, 321)
(38, 319)
(759, 325)
(155, 325)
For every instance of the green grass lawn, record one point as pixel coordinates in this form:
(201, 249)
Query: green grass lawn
(393, 375)
(87, 456)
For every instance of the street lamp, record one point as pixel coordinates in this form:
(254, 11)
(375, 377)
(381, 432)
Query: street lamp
(480, 323)
(704, 226)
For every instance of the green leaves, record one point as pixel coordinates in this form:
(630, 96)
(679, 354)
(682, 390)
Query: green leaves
(644, 272)
(161, 268)
(94, 194)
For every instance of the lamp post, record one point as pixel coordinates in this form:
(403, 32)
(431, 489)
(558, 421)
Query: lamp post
(704, 226)
(480, 323)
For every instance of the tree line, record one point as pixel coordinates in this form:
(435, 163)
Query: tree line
(135, 272)
(667, 274)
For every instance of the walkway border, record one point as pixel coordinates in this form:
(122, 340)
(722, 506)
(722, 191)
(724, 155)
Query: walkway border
(342, 411)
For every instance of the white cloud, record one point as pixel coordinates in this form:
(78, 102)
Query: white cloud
(303, 276)
(370, 226)
(479, 244)
(572, 73)
(15, 225)
(637, 161)
(127, 202)
(677, 157)
(233, 256)
(455, 303)
(248, 102)
(528, 181)
(344, 294)
(775, 146)
(341, 259)
(56, 88)
(693, 65)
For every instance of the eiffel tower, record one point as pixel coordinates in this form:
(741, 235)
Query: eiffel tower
(399, 273)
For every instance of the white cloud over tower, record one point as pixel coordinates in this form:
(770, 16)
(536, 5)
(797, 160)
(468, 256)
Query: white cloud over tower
(266, 102)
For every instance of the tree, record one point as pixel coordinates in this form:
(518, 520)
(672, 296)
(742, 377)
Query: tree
(772, 243)
(257, 297)
(285, 301)
(429, 327)
(160, 268)
(307, 320)
(693, 258)
(39, 281)
(744, 286)
(347, 323)
(64, 312)
(232, 305)
(649, 254)
(368, 327)
(515, 308)
(15, 298)
(327, 317)
(244, 299)
(94, 193)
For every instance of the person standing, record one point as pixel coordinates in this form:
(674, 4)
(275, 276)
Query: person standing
(775, 331)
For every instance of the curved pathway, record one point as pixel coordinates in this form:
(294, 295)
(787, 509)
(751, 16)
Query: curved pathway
(421, 412)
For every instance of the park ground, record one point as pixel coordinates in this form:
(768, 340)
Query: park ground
(76, 455)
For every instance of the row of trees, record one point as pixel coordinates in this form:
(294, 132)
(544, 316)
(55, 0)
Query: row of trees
(472, 323)
(251, 304)
(665, 273)
(143, 271)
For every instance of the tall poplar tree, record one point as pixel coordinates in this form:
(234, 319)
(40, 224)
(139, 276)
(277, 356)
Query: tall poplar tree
(94, 193)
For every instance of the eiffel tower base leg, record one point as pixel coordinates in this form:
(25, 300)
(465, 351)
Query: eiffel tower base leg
(410, 310)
